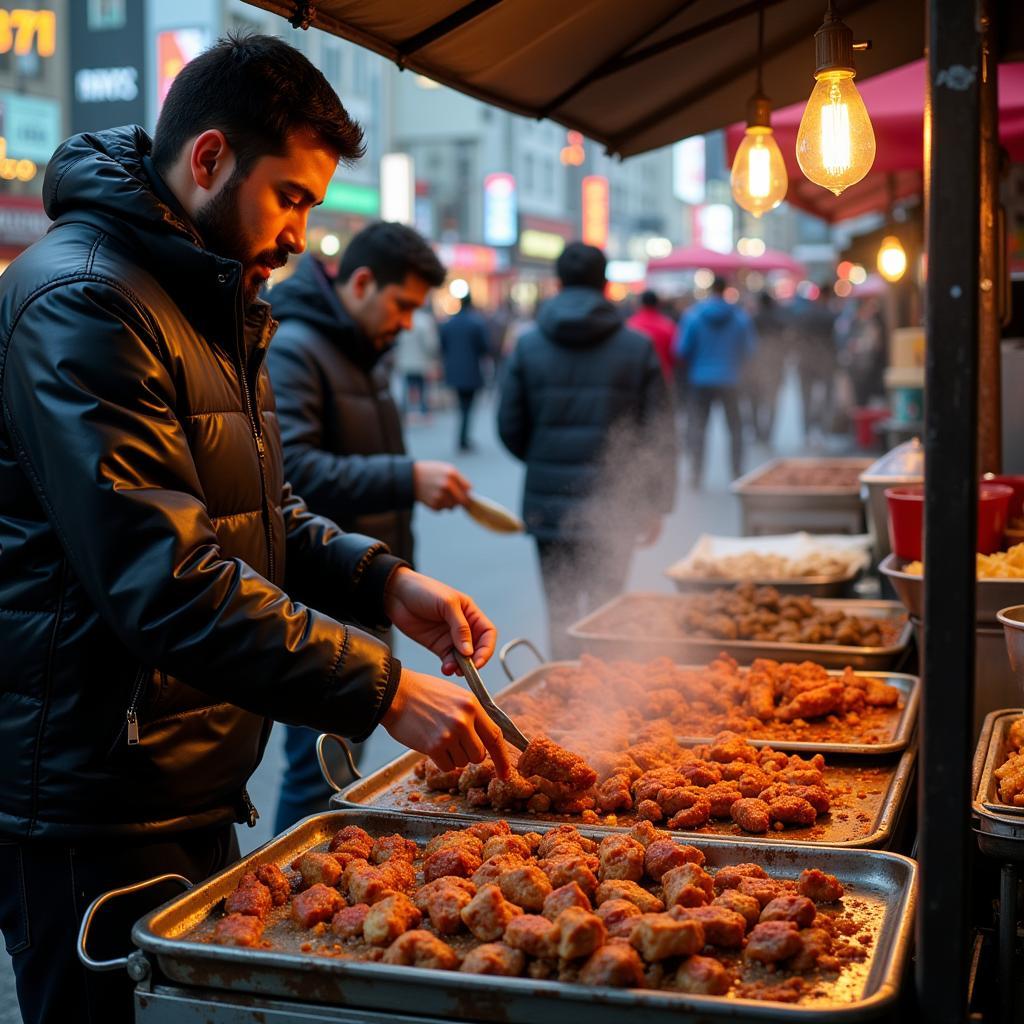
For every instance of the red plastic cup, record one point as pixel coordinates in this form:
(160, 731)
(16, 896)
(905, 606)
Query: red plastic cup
(906, 514)
(1017, 484)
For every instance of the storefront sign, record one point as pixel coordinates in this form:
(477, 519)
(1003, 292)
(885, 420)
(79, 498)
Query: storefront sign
(30, 125)
(480, 259)
(500, 209)
(688, 174)
(174, 49)
(24, 32)
(106, 85)
(107, 66)
(714, 225)
(397, 188)
(541, 245)
(22, 221)
(595, 210)
(346, 197)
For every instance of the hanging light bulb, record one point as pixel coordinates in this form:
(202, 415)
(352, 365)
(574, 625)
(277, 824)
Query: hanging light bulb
(759, 180)
(892, 259)
(835, 145)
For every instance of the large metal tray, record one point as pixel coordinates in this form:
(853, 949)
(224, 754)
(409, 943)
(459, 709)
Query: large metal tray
(990, 595)
(881, 788)
(992, 817)
(885, 886)
(597, 634)
(813, 586)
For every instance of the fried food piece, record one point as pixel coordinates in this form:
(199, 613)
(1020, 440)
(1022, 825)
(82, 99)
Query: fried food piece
(526, 886)
(238, 930)
(440, 779)
(571, 870)
(722, 927)
(663, 855)
(792, 810)
(562, 835)
(688, 885)
(746, 906)
(318, 868)
(580, 933)
(881, 695)
(772, 941)
(274, 879)
(493, 868)
(619, 917)
(660, 936)
(722, 795)
(648, 810)
(752, 815)
(389, 918)
(729, 746)
(533, 934)
(816, 796)
(565, 896)
(814, 703)
(506, 844)
(621, 856)
(815, 950)
(455, 838)
(443, 900)
(476, 776)
(421, 949)
(764, 890)
(645, 834)
(546, 758)
(251, 899)
(1015, 735)
(701, 976)
(386, 848)
(622, 889)
(684, 806)
(368, 884)
(819, 886)
(614, 794)
(494, 958)
(616, 966)
(351, 840)
(459, 861)
(488, 913)
(347, 923)
(790, 907)
(315, 904)
(729, 877)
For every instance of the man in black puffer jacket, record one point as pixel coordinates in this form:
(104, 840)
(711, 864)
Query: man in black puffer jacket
(163, 593)
(585, 405)
(342, 433)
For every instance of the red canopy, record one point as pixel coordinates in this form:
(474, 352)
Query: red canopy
(895, 101)
(693, 257)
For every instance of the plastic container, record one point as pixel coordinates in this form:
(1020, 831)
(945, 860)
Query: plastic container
(903, 465)
(865, 420)
(906, 514)
(1017, 484)
(906, 393)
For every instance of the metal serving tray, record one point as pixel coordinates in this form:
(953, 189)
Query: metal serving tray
(597, 634)
(812, 586)
(885, 886)
(993, 816)
(990, 595)
(881, 787)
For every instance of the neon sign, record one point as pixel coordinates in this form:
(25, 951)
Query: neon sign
(22, 30)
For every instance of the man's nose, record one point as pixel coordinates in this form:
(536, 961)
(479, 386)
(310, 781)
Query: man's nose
(293, 238)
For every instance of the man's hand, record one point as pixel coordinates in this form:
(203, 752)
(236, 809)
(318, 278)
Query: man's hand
(439, 485)
(439, 618)
(444, 722)
(650, 533)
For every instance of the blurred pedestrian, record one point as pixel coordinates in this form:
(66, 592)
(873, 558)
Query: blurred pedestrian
(343, 444)
(585, 405)
(652, 322)
(817, 362)
(465, 343)
(416, 353)
(714, 340)
(762, 373)
(863, 352)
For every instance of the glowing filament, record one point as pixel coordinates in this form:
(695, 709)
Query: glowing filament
(759, 174)
(835, 133)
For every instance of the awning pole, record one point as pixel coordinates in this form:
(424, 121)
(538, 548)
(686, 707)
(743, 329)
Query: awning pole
(951, 407)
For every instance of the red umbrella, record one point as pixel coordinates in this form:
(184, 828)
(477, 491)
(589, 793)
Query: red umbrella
(694, 257)
(895, 101)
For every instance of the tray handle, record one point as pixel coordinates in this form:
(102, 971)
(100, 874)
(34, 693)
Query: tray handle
(510, 647)
(325, 771)
(83, 931)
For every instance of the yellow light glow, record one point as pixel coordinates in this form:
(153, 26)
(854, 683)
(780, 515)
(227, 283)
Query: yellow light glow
(892, 259)
(835, 145)
(759, 180)
(858, 275)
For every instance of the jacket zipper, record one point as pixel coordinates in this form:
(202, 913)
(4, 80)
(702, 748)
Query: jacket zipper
(132, 714)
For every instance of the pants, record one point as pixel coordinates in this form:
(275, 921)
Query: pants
(304, 791)
(816, 395)
(45, 889)
(701, 400)
(578, 577)
(415, 392)
(466, 397)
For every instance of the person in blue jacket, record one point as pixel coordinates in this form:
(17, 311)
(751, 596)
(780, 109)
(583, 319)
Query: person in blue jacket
(464, 343)
(713, 341)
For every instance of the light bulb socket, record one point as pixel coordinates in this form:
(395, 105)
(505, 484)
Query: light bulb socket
(833, 46)
(759, 111)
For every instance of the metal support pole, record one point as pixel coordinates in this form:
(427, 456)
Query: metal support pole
(951, 407)
(1007, 938)
(990, 453)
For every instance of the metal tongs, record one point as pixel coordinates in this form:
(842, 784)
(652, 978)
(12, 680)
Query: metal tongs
(508, 728)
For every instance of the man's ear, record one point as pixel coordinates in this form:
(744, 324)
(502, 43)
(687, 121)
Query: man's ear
(212, 159)
(361, 282)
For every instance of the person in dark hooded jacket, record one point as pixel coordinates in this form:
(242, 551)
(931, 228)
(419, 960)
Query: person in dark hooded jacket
(585, 405)
(164, 592)
(342, 433)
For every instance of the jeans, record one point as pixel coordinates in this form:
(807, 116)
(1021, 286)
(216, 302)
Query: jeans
(415, 392)
(45, 888)
(466, 397)
(701, 400)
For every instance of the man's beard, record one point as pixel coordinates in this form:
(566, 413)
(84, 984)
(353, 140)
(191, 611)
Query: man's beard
(221, 225)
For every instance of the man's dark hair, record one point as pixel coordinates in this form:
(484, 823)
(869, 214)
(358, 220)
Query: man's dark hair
(649, 299)
(581, 266)
(719, 285)
(392, 251)
(257, 90)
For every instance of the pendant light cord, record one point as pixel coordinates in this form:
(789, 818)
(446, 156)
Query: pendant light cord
(760, 46)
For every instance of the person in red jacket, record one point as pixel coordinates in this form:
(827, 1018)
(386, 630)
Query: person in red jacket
(661, 329)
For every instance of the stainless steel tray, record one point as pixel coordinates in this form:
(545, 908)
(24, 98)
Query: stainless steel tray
(993, 816)
(885, 885)
(749, 484)
(597, 634)
(813, 586)
(395, 788)
(990, 595)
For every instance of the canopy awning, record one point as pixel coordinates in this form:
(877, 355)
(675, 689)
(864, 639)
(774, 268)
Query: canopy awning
(633, 76)
(694, 257)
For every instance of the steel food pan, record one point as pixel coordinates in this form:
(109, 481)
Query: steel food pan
(993, 816)
(877, 790)
(598, 634)
(812, 586)
(885, 886)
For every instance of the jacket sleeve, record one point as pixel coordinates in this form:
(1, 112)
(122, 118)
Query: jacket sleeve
(659, 435)
(88, 403)
(686, 336)
(513, 413)
(340, 487)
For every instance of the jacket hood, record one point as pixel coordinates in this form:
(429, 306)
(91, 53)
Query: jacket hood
(578, 318)
(717, 312)
(308, 295)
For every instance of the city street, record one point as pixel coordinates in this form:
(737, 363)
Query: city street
(501, 571)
